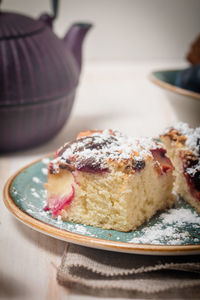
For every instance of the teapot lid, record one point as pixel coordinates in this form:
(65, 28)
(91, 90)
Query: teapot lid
(14, 25)
(35, 65)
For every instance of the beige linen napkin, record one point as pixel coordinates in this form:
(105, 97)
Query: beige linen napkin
(105, 273)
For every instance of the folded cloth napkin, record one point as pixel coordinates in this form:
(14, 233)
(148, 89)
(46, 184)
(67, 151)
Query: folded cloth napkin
(105, 273)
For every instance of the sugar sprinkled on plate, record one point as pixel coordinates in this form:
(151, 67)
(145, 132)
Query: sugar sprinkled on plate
(59, 220)
(36, 179)
(169, 227)
(180, 216)
(35, 194)
(80, 229)
(43, 194)
(44, 171)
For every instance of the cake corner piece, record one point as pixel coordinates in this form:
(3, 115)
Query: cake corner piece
(106, 179)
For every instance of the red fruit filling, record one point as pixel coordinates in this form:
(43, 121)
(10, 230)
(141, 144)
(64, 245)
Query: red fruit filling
(46, 208)
(58, 203)
(165, 162)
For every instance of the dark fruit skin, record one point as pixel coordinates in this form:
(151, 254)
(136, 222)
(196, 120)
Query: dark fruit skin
(189, 79)
(196, 180)
(192, 180)
(194, 184)
(91, 166)
(138, 165)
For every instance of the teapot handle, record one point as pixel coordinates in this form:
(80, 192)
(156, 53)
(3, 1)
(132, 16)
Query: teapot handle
(47, 18)
(54, 5)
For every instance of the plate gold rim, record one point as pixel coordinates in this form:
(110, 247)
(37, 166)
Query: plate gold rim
(171, 87)
(85, 240)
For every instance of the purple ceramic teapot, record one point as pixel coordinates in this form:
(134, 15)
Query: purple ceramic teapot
(39, 76)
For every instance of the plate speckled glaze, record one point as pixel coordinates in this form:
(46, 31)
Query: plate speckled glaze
(172, 232)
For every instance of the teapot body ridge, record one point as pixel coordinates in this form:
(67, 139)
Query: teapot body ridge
(39, 73)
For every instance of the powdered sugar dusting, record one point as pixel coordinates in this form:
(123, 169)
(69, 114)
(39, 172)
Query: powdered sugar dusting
(154, 236)
(192, 143)
(169, 228)
(192, 136)
(183, 128)
(180, 216)
(35, 194)
(44, 171)
(36, 179)
(104, 146)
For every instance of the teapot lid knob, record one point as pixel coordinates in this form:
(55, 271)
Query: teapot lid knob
(49, 18)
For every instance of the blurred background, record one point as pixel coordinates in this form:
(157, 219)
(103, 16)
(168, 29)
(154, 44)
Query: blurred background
(125, 29)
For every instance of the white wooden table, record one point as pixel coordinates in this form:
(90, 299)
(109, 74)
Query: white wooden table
(114, 95)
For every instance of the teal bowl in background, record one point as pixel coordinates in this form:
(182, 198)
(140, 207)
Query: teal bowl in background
(185, 103)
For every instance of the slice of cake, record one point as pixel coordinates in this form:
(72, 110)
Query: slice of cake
(108, 180)
(183, 148)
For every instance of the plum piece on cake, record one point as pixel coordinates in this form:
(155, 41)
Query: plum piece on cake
(183, 148)
(109, 180)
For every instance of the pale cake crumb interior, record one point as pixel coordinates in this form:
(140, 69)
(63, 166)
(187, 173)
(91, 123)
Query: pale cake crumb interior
(119, 201)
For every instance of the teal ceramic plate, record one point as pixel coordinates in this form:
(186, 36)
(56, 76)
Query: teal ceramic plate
(166, 79)
(172, 232)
